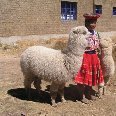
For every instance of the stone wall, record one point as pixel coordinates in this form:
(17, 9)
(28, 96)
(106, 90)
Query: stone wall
(36, 17)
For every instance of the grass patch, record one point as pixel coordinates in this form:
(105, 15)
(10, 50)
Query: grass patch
(21, 45)
(114, 48)
(59, 44)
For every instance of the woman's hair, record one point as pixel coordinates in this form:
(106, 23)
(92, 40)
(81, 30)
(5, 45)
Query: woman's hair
(89, 21)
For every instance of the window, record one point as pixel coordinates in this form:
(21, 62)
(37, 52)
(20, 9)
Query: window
(98, 9)
(68, 10)
(114, 10)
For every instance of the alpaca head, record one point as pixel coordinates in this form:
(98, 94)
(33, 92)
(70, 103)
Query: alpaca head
(77, 38)
(106, 46)
(106, 42)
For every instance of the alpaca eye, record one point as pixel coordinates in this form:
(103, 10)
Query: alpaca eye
(84, 32)
(75, 32)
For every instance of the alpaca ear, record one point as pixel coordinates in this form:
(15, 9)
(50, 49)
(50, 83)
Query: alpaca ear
(76, 31)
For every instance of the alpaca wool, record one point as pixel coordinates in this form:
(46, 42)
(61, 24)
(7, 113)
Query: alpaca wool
(107, 62)
(56, 66)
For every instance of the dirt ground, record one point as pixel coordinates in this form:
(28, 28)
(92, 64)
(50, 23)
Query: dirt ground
(13, 101)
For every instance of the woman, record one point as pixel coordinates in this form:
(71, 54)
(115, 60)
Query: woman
(90, 73)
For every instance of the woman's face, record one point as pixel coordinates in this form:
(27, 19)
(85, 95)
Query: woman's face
(91, 24)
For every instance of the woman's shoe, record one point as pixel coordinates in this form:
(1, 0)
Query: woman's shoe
(84, 100)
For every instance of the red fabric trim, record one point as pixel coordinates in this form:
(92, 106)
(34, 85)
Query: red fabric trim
(91, 16)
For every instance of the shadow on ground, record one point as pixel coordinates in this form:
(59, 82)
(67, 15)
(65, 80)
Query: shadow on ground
(71, 93)
(20, 93)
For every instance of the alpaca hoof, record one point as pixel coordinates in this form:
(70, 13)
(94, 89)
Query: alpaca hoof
(97, 95)
(100, 97)
(64, 101)
(54, 104)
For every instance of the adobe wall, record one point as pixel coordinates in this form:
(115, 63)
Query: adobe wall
(36, 17)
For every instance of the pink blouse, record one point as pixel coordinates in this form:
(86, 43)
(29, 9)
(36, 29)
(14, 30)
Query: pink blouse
(93, 42)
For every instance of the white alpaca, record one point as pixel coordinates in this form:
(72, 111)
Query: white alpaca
(107, 62)
(52, 65)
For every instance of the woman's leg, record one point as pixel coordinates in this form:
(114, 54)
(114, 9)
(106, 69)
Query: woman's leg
(81, 90)
(89, 93)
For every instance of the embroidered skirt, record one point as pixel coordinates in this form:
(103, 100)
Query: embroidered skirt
(90, 73)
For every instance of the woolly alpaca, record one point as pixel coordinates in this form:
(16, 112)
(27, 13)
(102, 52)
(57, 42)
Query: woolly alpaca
(52, 65)
(107, 62)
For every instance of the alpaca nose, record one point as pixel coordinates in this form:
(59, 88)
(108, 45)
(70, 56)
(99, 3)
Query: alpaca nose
(88, 34)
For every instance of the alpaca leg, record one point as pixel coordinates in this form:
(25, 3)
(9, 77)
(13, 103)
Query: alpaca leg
(100, 91)
(88, 93)
(81, 91)
(27, 85)
(37, 84)
(53, 92)
(104, 90)
(61, 91)
(106, 80)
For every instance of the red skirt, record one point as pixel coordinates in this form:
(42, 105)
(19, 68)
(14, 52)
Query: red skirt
(90, 73)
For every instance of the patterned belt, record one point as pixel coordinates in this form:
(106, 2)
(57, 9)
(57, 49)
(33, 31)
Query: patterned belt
(90, 52)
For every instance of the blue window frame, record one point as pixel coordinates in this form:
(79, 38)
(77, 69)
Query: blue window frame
(114, 10)
(68, 10)
(98, 9)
